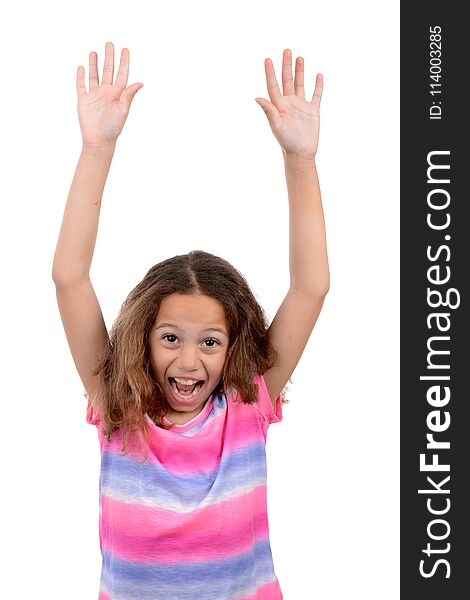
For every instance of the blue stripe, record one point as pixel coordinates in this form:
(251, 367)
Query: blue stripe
(123, 475)
(211, 580)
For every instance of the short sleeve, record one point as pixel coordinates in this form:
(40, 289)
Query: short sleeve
(264, 404)
(92, 414)
(93, 417)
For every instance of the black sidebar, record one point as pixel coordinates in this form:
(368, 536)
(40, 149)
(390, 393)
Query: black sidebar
(434, 298)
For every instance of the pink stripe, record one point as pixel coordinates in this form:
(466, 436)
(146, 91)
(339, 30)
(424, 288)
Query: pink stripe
(103, 596)
(219, 531)
(270, 591)
(177, 453)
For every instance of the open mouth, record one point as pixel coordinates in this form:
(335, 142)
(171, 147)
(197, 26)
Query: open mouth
(183, 391)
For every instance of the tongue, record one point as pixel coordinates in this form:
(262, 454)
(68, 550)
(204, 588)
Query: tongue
(185, 388)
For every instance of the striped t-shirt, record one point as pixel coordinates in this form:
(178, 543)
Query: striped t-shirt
(191, 522)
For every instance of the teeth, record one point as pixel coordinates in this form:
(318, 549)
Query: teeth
(186, 381)
(185, 396)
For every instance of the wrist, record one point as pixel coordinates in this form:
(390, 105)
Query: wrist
(99, 149)
(299, 162)
(299, 158)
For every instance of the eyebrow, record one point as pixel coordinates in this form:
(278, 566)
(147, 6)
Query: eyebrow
(162, 325)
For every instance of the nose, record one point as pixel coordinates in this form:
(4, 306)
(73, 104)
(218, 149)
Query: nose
(188, 358)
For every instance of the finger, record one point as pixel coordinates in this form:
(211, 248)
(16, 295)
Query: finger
(108, 67)
(287, 82)
(128, 95)
(273, 89)
(81, 90)
(269, 110)
(123, 73)
(299, 78)
(93, 71)
(318, 90)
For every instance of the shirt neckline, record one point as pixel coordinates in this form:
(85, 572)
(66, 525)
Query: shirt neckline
(195, 420)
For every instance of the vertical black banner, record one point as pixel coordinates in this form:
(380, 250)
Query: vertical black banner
(434, 263)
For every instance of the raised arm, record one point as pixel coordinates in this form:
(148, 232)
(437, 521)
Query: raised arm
(102, 113)
(295, 123)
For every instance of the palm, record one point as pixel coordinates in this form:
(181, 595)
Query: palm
(103, 111)
(99, 111)
(294, 121)
(297, 126)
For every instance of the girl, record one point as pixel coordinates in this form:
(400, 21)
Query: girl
(190, 369)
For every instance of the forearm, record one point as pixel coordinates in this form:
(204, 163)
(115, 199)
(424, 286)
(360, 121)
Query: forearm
(308, 258)
(77, 237)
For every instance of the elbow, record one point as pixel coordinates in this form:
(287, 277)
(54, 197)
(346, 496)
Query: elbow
(322, 289)
(321, 292)
(314, 286)
(57, 277)
(316, 291)
(65, 276)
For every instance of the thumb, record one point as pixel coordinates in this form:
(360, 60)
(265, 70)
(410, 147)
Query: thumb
(128, 95)
(269, 109)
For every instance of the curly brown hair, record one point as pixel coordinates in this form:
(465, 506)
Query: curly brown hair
(126, 385)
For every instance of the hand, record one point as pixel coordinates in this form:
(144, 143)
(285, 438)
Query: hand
(103, 111)
(294, 121)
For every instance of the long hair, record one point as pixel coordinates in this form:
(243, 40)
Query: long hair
(127, 388)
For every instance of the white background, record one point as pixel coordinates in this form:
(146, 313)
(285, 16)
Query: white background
(197, 167)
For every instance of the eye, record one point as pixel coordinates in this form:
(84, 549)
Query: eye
(212, 343)
(169, 335)
(216, 342)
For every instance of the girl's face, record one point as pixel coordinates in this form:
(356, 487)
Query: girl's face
(188, 345)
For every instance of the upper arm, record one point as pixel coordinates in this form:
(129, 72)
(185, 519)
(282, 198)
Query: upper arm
(289, 333)
(84, 327)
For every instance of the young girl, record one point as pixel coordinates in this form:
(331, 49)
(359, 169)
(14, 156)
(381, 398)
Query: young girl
(184, 387)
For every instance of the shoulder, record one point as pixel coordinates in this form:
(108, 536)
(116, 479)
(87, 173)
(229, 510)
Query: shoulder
(92, 411)
(267, 411)
(270, 410)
